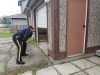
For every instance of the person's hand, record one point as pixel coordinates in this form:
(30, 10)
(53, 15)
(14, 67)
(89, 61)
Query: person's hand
(33, 30)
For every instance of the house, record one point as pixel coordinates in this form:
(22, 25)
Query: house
(73, 26)
(17, 20)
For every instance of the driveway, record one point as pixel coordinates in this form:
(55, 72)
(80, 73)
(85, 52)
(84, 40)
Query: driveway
(8, 52)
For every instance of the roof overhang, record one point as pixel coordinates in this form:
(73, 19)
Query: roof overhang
(20, 18)
(31, 4)
(28, 6)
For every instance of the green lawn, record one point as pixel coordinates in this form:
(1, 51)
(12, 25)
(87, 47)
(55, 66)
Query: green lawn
(1, 29)
(5, 35)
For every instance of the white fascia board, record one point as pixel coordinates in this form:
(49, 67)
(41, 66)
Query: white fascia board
(27, 1)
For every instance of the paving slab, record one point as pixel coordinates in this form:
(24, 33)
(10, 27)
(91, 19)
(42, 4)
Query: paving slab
(83, 64)
(6, 40)
(80, 73)
(47, 71)
(94, 59)
(66, 69)
(26, 73)
(1, 67)
(44, 47)
(5, 48)
(13, 51)
(93, 71)
(12, 64)
(3, 57)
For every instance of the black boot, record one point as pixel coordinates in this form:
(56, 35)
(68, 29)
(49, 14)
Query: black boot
(24, 54)
(20, 62)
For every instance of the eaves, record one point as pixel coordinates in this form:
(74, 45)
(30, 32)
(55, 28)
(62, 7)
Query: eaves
(31, 4)
(28, 6)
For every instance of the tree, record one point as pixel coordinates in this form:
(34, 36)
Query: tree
(5, 21)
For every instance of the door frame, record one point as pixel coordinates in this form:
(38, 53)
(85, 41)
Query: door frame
(85, 30)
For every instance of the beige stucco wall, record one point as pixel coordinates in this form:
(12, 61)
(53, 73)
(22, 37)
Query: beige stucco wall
(94, 24)
(19, 22)
(49, 26)
(62, 24)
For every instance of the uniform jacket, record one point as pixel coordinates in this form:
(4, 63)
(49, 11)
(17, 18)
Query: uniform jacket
(25, 34)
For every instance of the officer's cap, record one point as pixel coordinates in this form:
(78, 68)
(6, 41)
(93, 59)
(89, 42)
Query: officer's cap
(30, 27)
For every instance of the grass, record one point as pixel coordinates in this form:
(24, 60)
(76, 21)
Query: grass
(25, 69)
(1, 29)
(5, 35)
(32, 41)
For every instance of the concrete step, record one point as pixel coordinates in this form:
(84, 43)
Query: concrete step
(98, 52)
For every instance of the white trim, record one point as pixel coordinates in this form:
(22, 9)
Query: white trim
(47, 1)
(40, 6)
(25, 6)
(36, 28)
(85, 26)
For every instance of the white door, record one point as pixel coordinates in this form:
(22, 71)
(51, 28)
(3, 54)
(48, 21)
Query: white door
(41, 18)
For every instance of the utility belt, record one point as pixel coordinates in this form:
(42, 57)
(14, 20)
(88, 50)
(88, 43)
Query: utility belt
(18, 36)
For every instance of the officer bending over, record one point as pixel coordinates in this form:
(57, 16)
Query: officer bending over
(20, 39)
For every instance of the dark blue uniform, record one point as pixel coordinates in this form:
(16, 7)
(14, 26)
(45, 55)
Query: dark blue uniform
(20, 39)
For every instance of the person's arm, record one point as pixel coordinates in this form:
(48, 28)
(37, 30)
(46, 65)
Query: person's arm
(27, 35)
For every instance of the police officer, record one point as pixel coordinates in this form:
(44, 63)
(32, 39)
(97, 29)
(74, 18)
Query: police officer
(20, 39)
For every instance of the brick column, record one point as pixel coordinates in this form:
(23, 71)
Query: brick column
(54, 53)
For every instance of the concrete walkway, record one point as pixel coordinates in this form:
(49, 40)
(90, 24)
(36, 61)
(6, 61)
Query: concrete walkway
(87, 66)
(26, 73)
(8, 53)
(5, 40)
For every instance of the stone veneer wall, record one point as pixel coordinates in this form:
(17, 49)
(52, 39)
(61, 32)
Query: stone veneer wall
(49, 26)
(94, 24)
(62, 24)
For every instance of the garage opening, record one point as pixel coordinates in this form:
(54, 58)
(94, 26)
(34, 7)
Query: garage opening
(41, 23)
(41, 27)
